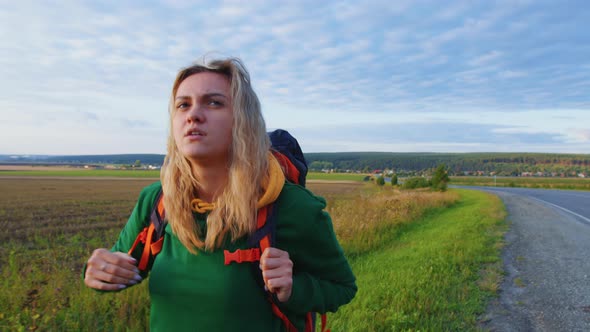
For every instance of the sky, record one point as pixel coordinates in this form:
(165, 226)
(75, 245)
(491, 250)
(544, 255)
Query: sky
(94, 77)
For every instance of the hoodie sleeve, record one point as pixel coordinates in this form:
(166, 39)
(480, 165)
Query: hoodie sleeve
(322, 277)
(139, 219)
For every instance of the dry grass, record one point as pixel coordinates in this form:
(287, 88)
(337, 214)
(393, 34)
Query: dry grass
(34, 168)
(359, 221)
(491, 277)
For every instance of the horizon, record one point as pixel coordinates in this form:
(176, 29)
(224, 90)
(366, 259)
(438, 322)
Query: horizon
(331, 152)
(409, 77)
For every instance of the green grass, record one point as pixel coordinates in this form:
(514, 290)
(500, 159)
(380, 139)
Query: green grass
(336, 176)
(42, 290)
(525, 182)
(87, 173)
(434, 274)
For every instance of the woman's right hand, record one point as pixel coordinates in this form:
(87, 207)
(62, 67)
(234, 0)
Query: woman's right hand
(110, 271)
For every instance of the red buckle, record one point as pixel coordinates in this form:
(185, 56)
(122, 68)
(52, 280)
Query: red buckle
(239, 256)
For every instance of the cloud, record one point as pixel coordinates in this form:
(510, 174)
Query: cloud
(233, 11)
(452, 11)
(579, 135)
(444, 134)
(485, 58)
(313, 65)
(511, 74)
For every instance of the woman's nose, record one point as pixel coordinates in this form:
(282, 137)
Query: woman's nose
(196, 114)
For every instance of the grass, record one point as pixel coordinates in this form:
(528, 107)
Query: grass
(525, 182)
(365, 222)
(336, 176)
(50, 227)
(519, 282)
(85, 173)
(397, 252)
(433, 274)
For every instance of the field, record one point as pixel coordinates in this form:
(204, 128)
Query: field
(80, 172)
(66, 172)
(52, 225)
(336, 176)
(525, 182)
(26, 171)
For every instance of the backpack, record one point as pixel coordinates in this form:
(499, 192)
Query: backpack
(287, 151)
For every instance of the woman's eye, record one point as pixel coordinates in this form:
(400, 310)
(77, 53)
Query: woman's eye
(181, 106)
(215, 103)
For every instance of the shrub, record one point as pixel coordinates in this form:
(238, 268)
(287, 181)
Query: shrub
(380, 181)
(440, 178)
(416, 182)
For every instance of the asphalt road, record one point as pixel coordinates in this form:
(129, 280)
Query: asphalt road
(546, 261)
(575, 202)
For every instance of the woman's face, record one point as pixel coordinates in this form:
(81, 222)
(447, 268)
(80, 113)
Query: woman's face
(203, 117)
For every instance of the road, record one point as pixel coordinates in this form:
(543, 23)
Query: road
(574, 202)
(546, 261)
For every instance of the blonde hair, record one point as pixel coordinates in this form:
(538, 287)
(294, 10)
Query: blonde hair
(235, 211)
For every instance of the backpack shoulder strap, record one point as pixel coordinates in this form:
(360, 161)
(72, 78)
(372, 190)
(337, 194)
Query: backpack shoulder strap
(152, 236)
(261, 239)
(158, 215)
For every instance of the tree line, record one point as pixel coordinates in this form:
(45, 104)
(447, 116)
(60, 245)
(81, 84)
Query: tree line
(503, 164)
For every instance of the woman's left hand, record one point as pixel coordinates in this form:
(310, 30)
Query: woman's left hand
(277, 272)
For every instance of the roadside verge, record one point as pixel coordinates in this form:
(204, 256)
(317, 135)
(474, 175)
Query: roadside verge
(437, 273)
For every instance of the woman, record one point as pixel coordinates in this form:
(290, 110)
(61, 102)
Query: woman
(218, 152)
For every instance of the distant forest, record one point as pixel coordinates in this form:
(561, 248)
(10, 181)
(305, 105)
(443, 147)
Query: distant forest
(118, 159)
(504, 164)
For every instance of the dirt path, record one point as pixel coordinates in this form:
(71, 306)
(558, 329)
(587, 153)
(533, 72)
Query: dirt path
(547, 264)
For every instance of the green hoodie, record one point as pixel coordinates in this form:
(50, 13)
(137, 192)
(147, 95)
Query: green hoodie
(199, 293)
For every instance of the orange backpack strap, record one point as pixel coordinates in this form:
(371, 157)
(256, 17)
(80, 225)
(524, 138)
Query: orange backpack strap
(289, 169)
(275, 310)
(265, 242)
(263, 216)
(145, 255)
(261, 240)
(152, 236)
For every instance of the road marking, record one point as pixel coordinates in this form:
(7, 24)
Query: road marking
(564, 209)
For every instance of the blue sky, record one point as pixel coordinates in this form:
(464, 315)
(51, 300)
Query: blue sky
(463, 76)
